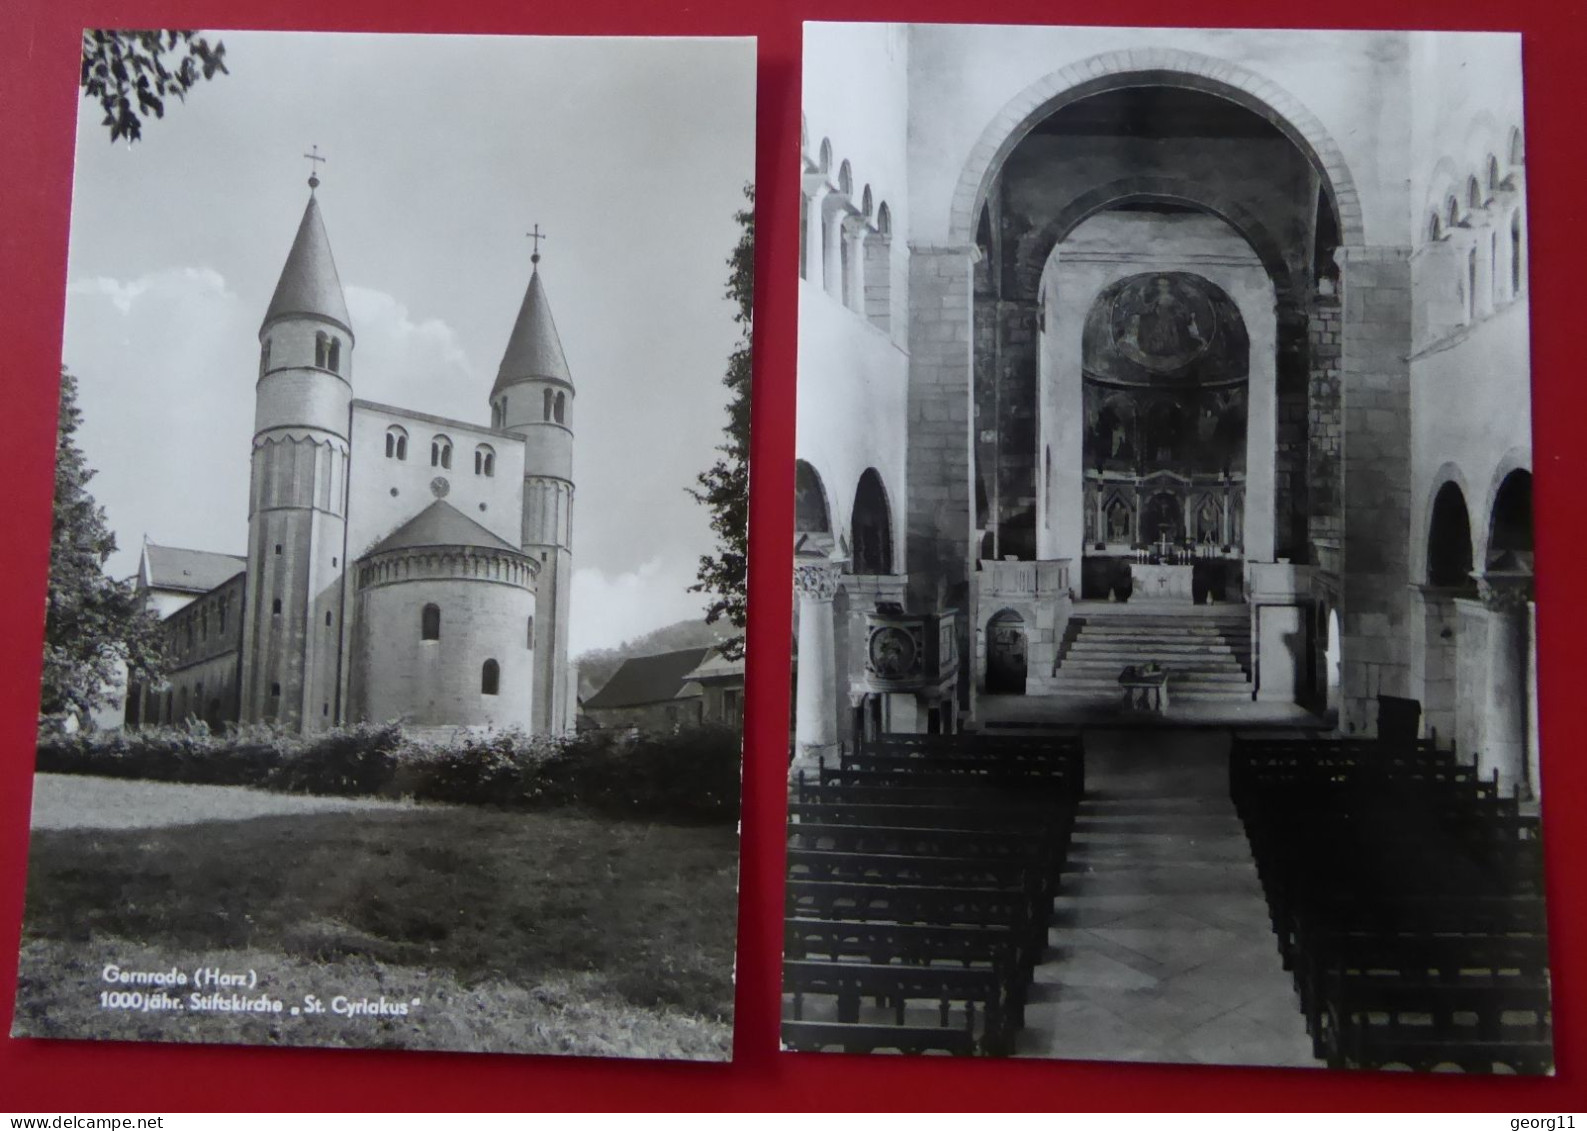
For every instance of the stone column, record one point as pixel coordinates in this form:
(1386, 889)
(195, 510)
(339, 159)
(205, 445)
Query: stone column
(815, 193)
(816, 582)
(1509, 648)
(941, 516)
(1375, 379)
(855, 230)
(834, 210)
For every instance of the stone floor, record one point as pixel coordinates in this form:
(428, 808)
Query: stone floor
(1160, 948)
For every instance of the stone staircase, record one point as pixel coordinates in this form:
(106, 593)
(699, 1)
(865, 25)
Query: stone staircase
(1206, 649)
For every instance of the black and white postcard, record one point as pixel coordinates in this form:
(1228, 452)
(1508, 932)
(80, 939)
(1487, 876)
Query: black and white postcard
(393, 662)
(1166, 666)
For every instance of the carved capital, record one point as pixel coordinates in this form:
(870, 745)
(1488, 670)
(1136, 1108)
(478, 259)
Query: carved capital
(1505, 592)
(817, 579)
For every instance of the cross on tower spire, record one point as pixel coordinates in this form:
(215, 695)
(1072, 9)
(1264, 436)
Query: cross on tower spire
(537, 235)
(314, 156)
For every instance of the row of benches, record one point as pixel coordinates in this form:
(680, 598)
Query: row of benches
(921, 874)
(1406, 895)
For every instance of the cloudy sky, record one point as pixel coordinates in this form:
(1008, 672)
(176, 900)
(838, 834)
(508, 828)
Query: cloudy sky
(442, 152)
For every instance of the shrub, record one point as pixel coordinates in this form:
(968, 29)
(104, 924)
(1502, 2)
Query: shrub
(346, 762)
(690, 776)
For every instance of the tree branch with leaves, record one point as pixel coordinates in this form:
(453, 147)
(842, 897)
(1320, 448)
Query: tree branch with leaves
(132, 73)
(724, 487)
(97, 630)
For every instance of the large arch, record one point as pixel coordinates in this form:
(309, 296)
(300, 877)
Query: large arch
(1152, 67)
(1166, 190)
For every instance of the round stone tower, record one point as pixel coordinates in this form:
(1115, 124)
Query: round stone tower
(533, 396)
(297, 504)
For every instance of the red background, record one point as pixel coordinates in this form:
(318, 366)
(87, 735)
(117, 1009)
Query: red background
(39, 50)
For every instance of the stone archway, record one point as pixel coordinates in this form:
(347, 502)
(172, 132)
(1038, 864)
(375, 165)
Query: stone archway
(1152, 66)
(1007, 649)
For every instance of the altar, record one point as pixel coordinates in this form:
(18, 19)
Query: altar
(1161, 583)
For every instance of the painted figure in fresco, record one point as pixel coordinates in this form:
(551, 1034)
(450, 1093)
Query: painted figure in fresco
(1118, 521)
(1164, 327)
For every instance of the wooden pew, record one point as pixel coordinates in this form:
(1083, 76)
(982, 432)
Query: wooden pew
(985, 990)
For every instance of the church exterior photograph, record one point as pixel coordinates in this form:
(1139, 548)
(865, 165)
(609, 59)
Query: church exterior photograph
(1165, 625)
(338, 360)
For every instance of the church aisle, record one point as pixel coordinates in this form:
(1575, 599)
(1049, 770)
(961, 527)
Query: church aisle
(1160, 947)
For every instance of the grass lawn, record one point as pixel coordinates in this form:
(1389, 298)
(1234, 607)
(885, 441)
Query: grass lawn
(517, 932)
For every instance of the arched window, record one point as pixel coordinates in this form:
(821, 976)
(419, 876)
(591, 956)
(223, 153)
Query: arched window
(811, 515)
(1515, 254)
(1452, 212)
(396, 443)
(441, 452)
(430, 623)
(1473, 193)
(872, 528)
(1449, 541)
(1493, 174)
(804, 236)
(327, 618)
(865, 202)
(1517, 149)
(1435, 228)
(845, 179)
(490, 678)
(550, 401)
(275, 691)
(275, 606)
(824, 159)
(333, 357)
(321, 349)
(485, 461)
(559, 410)
(264, 358)
(530, 639)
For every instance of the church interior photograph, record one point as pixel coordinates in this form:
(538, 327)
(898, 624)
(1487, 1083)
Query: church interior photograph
(1165, 645)
(334, 662)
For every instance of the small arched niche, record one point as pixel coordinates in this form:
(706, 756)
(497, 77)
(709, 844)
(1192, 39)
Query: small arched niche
(872, 527)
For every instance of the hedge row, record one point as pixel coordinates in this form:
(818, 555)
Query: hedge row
(692, 775)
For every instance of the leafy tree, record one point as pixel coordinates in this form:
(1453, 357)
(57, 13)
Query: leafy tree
(724, 488)
(132, 73)
(93, 624)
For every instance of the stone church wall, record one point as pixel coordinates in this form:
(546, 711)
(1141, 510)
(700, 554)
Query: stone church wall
(852, 378)
(398, 675)
(963, 79)
(385, 493)
(859, 102)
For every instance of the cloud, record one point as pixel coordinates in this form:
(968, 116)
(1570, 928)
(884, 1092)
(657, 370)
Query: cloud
(180, 282)
(166, 363)
(416, 363)
(610, 609)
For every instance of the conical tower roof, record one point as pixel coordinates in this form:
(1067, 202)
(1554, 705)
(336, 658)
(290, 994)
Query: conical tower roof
(534, 350)
(309, 284)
